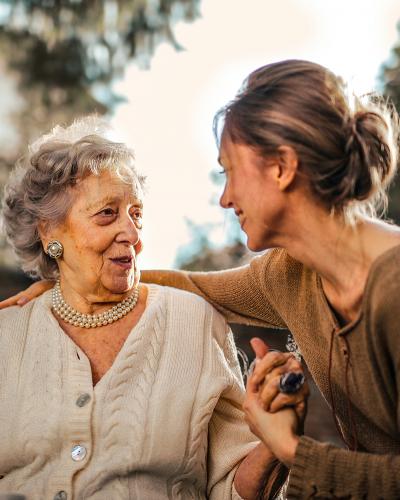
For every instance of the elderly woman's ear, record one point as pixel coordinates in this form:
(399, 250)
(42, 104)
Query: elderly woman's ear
(50, 239)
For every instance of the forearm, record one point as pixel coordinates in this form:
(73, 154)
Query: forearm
(258, 470)
(165, 277)
(235, 293)
(322, 470)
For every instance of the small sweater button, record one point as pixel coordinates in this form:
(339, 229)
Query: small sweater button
(83, 400)
(78, 453)
(61, 495)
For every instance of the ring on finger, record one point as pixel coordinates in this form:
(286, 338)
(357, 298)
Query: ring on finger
(291, 382)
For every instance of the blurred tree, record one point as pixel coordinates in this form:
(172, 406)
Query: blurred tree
(65, 54)
(201, 254)
(59, 58)
(390, 80)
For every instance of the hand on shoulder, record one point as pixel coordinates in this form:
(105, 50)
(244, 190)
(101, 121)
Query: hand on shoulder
(22, 298)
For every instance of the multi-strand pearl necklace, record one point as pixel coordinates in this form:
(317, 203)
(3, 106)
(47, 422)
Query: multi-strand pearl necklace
(74, 317)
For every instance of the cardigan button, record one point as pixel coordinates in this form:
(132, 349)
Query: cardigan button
(61, 495)
(78, 453)
(82, 400)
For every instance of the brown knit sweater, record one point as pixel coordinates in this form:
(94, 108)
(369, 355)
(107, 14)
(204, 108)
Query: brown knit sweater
(356, 367)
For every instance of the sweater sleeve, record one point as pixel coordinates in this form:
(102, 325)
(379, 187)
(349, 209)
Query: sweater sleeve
(241, 295)
(229, 438)
(325, 471)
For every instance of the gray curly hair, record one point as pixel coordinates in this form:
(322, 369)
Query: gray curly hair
(40, 189)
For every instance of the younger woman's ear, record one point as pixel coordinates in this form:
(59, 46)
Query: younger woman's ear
(288, 162)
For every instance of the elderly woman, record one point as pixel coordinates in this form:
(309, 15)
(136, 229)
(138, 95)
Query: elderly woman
(111, 389)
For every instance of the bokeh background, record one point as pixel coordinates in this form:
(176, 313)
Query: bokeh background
(159, 70)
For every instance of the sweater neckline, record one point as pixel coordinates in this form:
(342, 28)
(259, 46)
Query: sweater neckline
(375, 265)
(152, 301)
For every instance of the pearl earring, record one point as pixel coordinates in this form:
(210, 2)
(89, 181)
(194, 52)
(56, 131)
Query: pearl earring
(55, 249)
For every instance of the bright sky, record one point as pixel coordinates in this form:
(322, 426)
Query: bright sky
(169, 110)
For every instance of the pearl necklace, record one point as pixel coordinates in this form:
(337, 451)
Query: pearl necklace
(74, 317)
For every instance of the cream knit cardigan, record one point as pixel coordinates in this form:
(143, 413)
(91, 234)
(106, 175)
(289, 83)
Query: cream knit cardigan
(165, 422)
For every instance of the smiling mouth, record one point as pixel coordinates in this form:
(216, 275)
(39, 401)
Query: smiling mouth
(241, 218)
(126, 262)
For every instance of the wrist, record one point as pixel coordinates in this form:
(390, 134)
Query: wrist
(287, 450)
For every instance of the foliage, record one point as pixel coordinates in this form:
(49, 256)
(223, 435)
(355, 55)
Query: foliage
(62, 57)
(390, 79)
(67, 53)
(201, 255)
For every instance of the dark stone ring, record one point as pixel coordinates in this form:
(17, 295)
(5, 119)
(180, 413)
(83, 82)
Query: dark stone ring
(291, 382)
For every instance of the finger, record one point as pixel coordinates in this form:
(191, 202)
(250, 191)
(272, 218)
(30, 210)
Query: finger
(260, 348)
(285, 400)
(250, 403)
(12, 301)
(252, 386)
(294, 365)
(268, 363)
(269, 392)
(301, 410)
(280, 370)
(30, 293)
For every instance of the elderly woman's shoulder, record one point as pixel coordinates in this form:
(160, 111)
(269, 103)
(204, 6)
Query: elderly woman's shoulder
(190, 307)
(15, 318)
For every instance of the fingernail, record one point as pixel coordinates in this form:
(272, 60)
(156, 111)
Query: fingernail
(22, 301)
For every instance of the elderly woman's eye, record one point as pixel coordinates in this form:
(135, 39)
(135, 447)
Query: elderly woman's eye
(137, 217)
(107, 212)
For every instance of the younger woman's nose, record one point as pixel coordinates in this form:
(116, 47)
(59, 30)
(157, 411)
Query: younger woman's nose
(224, 201)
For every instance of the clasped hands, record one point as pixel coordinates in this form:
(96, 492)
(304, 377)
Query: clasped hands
(276, 418)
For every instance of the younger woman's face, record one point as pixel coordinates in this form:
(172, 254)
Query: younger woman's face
(252, 191)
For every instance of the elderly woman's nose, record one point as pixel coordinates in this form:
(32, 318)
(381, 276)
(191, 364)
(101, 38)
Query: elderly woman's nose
(128, 231)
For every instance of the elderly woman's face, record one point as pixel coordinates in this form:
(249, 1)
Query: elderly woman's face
(102, 236)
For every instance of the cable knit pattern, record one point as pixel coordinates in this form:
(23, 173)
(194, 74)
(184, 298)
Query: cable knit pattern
(195, 462)
(141, 394)
(158, 425)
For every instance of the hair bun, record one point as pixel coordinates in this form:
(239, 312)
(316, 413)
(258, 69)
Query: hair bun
(371, 161)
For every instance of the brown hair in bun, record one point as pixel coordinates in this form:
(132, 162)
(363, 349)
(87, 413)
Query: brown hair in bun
(347, 147)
